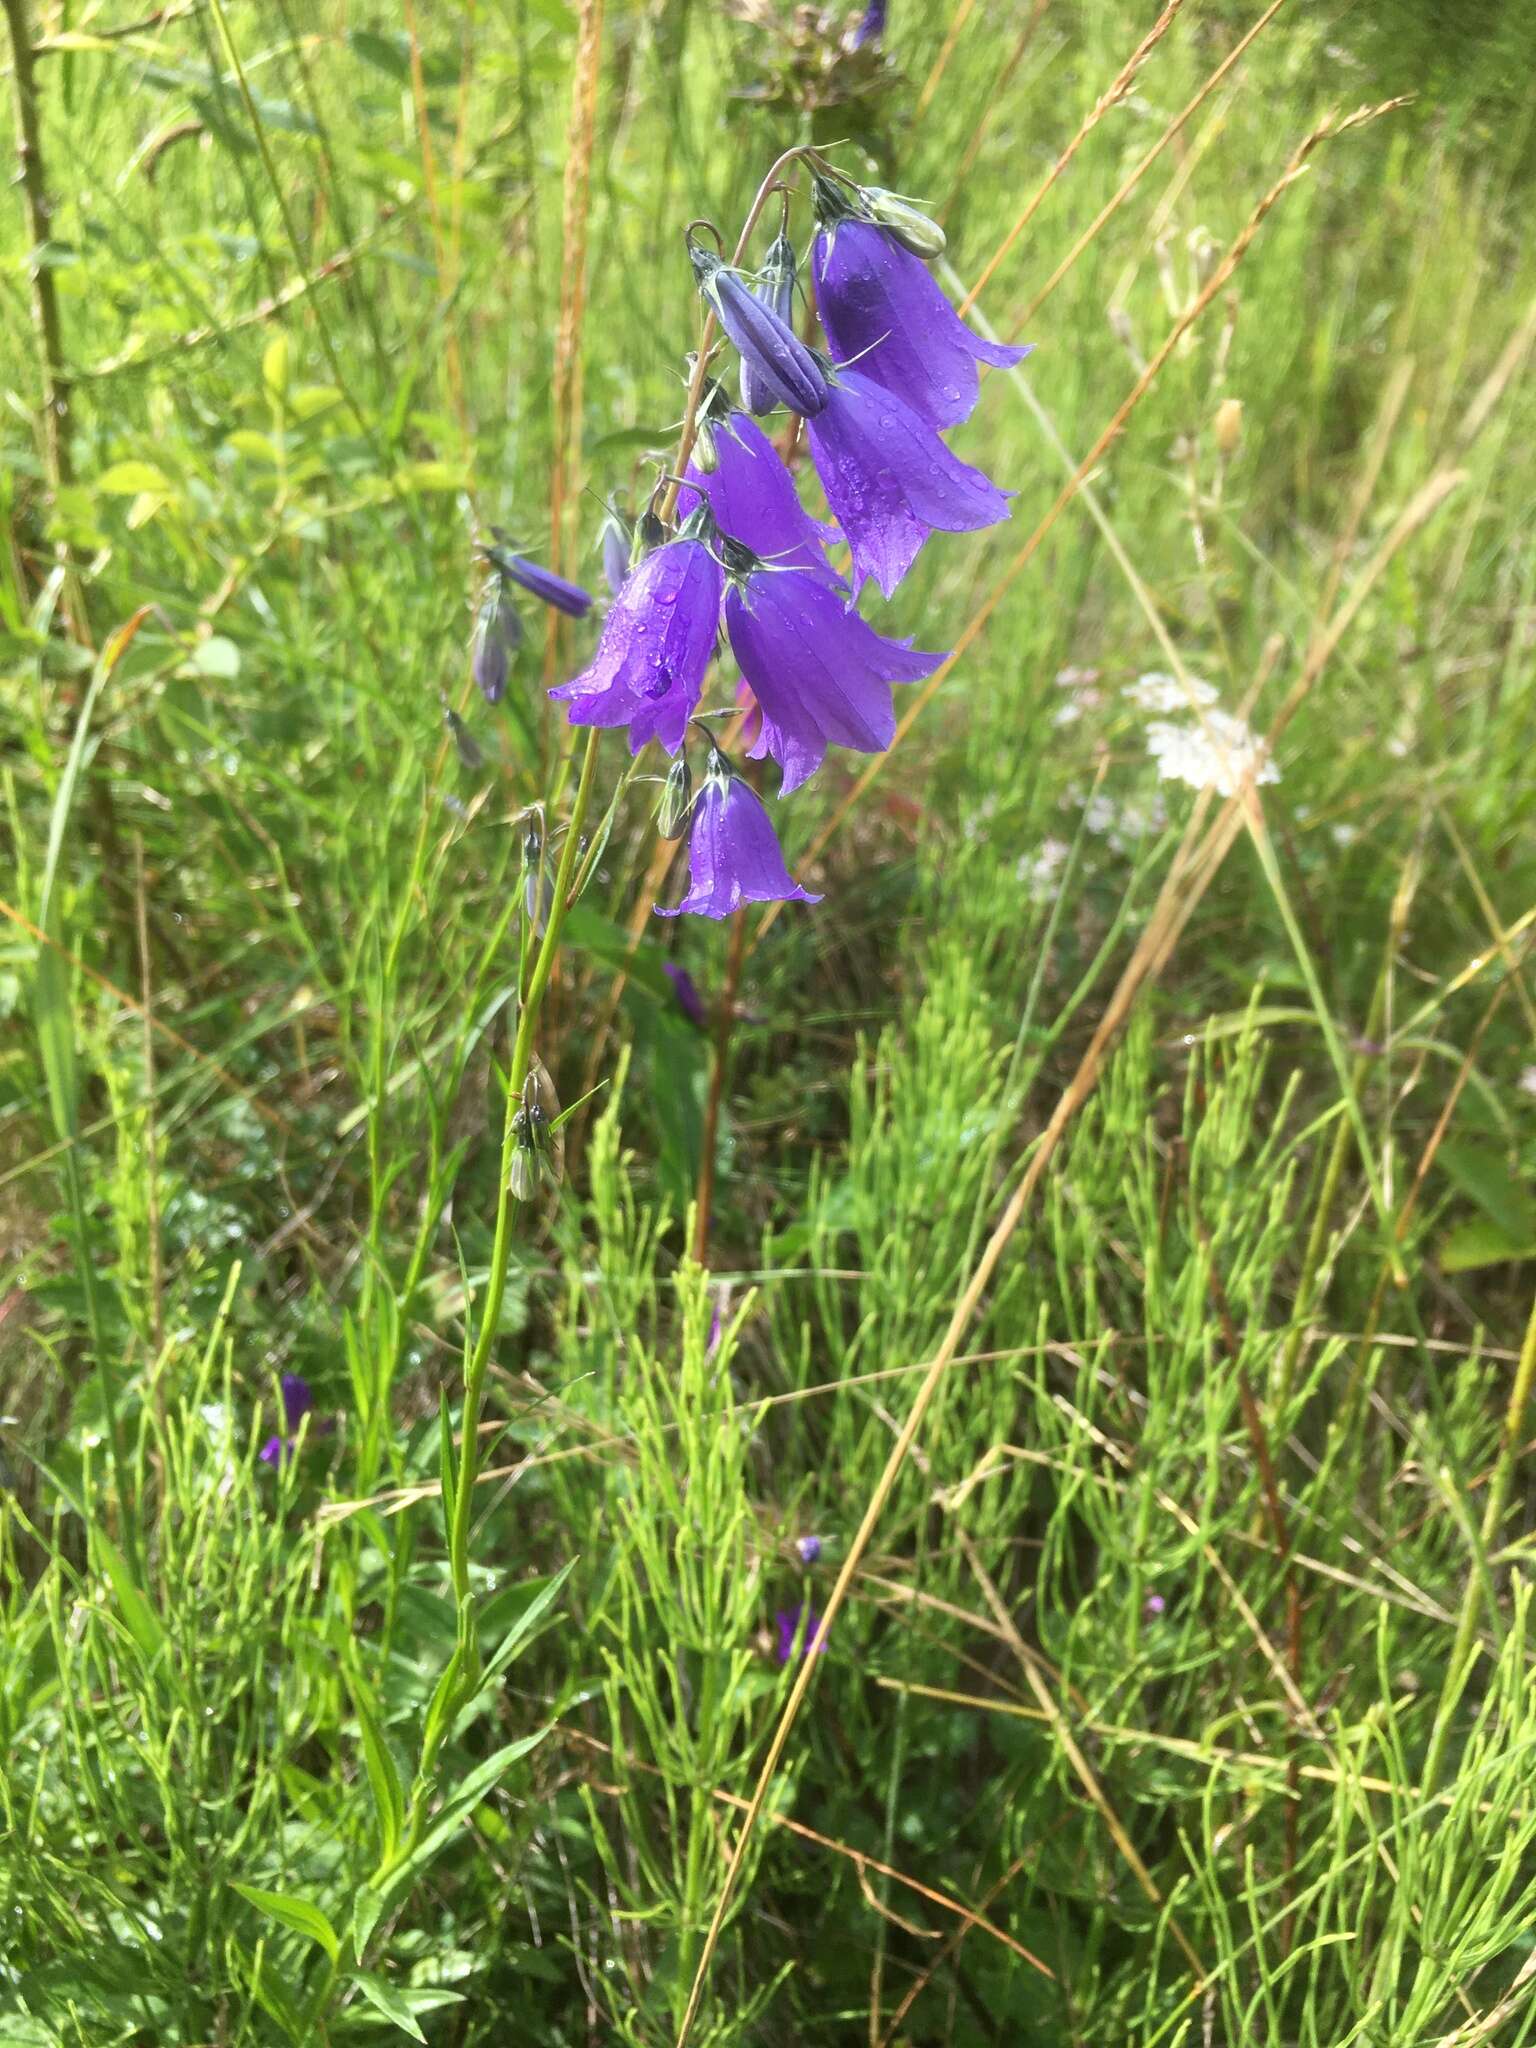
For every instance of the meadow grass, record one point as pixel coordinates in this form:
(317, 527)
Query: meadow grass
(1119, 1247)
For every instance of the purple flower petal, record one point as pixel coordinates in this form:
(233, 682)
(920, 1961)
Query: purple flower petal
(733, 854)
(656, 644)
(879, 303)
(297, 1399)
(871, 25)
(776, 290)
(553, 590)
(809, 1548)
(274, 1450)
(689, 1001)
(820, 673)
(890, 479)
(788, 1625)
(754, 500)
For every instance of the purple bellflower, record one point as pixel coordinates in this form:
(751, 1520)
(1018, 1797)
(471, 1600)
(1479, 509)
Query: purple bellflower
(541, 583)
(776, 289)
(656, 644)
(733, 853)
(890, 480)
(821, 675)
(780, 362)
(686, 990)
(616, 541)
(879, 304)
(809, 1548)
(870, 27)
(754, 500)
(297, 1403)
(498, 635)
(789, 1626)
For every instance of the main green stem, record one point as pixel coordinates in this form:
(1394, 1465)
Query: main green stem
(501, 1253)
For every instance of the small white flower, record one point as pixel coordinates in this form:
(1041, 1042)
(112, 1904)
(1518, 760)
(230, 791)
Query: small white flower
(1527, 1082)
(1345, 835)
(1039, 871)
(1220, 753)
(1075, 678)
(1156, 691)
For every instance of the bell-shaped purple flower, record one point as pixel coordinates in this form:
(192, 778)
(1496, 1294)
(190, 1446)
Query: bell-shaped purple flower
(776, 289)
(686, 990)
(870, 26)
(733, 855)
(541, 583)
(754, 500)
(880, 305)
(780, 361)
(803, 1626)
(820, 673)
(498, 635)
(655, 646)
(297, 1403)
(890, 480)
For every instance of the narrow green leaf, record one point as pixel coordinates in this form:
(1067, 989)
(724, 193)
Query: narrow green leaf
(388, 2001)
(139, 1616)
(383, 1778)
(294, 1913)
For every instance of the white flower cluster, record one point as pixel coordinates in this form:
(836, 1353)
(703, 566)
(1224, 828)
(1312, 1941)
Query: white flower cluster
(1156, 691)
(1219, 753)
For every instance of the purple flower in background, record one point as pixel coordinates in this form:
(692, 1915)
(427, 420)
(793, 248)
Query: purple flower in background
(879, 304)
(890, 480)
(1153, 1605)
(689, 1001)
(776, 290)
(788, 1625)
(733, 854)
(821, 674)
(656, 644)
(543, 584)
(871, 25)
(754, 500)
(616, 540)
(779, 362)
(498, 635)
(809, 1548)
(297, 1403)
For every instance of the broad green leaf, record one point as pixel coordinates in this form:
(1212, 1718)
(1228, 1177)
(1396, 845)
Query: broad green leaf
(1479, 1242)
(1484, 1177)
(127, 479)
(291, 1912)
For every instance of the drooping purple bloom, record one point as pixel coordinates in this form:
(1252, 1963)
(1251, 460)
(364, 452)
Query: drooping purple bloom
(780, 361)
(297, 1403)
(890, 480)
(871, 25)
(776, 289)
(809, 1548)
(789, 1627)
(754, 500)
(542, 583)
(821, 674)
(616, 539)
(656, 644)
(689, 1001)
(880, 304)
(733, 854)
(498, 635)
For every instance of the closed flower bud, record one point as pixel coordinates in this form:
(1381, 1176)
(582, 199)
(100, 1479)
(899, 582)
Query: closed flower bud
(465, 746)
(776, 289)
(914, 229)
(1228, 425)
(616, 541)
(538, 882)
(498, 635)
(706, 456)
(781, 362)
(676, 800)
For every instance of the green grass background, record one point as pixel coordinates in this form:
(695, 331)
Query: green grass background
(249, 1096)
